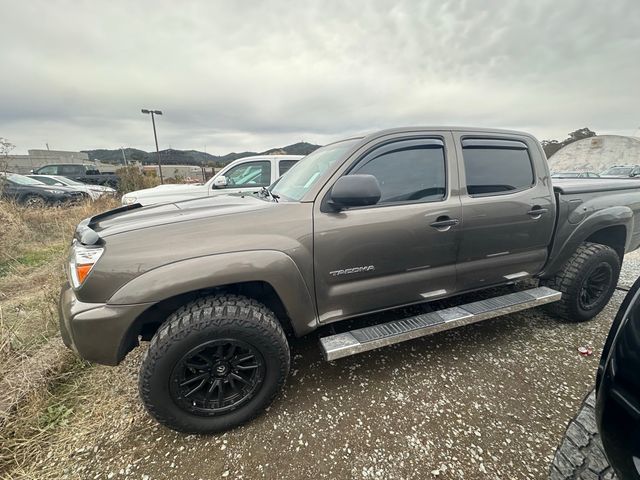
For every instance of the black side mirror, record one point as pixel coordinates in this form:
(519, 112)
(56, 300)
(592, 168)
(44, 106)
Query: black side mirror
(355, 191)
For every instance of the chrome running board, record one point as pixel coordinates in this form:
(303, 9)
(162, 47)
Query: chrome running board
(376, 336)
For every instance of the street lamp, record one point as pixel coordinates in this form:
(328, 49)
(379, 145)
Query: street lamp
(155, 136)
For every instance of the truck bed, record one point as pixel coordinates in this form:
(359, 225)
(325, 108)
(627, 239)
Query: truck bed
(587, 185)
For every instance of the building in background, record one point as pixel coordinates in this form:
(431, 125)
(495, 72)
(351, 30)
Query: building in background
(37, 158)
(596, 154)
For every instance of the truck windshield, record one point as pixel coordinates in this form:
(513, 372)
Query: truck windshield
(294, 184)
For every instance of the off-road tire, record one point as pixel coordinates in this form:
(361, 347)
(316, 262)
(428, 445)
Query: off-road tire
(570, 278)
(200, 321)
(580, 455)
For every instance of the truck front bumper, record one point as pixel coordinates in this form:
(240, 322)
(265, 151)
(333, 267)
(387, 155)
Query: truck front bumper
(97, 332)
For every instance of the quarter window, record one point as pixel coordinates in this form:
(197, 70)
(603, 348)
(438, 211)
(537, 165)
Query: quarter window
(407, 171)
(250, 174)
(496, 167)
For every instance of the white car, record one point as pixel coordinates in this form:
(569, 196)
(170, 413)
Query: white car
(93, 191)
(247, 174)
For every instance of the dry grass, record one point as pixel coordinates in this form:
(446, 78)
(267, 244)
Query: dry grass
(33, 244)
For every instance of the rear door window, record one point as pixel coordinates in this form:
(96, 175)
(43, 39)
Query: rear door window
(71, 170)
(285, 165)
(496, 167)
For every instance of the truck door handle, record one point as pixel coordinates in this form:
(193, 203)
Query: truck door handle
(537, 212)
(444, 223)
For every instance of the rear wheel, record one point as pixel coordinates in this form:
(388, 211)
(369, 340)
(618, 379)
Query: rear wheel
(581, 455)
(216, 363)
(586, 281)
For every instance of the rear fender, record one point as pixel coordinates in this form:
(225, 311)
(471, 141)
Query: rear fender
(608, 217)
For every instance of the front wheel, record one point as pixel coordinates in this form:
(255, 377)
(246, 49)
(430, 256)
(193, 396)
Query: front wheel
(586, 281)
(214, 364)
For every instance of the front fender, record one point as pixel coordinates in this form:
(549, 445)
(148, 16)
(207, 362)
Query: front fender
(567, 243)
(270, 266)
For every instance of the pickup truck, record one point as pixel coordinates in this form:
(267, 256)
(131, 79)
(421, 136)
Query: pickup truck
(368, 224)
(85, 173)
(242, 175)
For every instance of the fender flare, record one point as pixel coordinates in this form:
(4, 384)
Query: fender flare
(269, 266)
(609, 217)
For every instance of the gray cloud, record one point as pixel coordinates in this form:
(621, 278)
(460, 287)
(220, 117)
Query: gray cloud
(251, 75)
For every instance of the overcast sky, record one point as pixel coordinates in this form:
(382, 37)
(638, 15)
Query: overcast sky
(252, 75)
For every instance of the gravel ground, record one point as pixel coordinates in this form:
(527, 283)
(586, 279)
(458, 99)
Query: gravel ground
(489, 400)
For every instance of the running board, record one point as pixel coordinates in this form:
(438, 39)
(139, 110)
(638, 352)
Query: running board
(376, 336)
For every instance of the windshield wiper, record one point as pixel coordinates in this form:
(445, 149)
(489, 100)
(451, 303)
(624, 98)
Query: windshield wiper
(267, 193)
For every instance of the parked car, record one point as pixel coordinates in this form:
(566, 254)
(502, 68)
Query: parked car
(400, 217)
(85, 173)
(32, 193)
(575, 175)
(243, 175)
(93, 191)
(621, 171)
(604, 437)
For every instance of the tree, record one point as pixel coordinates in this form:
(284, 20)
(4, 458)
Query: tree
(552, 146)
(579, 135)
(5, 147)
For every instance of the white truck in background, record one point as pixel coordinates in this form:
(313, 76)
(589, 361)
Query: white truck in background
(243, 175)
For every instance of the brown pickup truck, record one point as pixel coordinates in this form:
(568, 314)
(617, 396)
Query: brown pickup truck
(396, 218)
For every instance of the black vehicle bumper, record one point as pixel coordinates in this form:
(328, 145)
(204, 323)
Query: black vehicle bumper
(97, 332)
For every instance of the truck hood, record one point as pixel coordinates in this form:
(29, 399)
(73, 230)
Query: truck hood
(136, 217)
(192, 190)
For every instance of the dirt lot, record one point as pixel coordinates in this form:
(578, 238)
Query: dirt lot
(485, 401)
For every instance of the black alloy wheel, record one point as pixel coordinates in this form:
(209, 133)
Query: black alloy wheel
(217, 377)
(595, 285)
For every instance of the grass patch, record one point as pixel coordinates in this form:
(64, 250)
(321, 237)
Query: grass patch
(31, 259)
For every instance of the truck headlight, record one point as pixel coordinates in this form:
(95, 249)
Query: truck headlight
(81, 261)
(128, 200)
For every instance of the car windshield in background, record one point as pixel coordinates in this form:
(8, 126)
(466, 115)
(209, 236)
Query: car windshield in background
(22, 180)
(294, 184)
(618, 171)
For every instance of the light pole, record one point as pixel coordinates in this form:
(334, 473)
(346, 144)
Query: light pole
(124, 157)
(155, 136)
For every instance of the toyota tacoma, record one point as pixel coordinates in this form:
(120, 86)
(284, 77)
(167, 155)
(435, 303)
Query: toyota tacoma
(364, 225)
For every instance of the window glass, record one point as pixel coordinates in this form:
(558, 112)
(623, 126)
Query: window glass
(406, 172)
(308, 171)
(22, 180)
(285, 165)
(48, 170)
(71, 170)
(250, 174)
(493, 170)
(47, 180)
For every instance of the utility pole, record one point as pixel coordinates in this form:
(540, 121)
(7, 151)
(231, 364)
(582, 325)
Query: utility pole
(124, 157)
(155, 136)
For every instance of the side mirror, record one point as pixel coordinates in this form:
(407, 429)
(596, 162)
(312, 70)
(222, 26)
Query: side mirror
(355, 191)
(220, 182)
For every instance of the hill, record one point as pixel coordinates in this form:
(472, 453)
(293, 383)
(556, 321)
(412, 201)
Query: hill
(191, 157)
